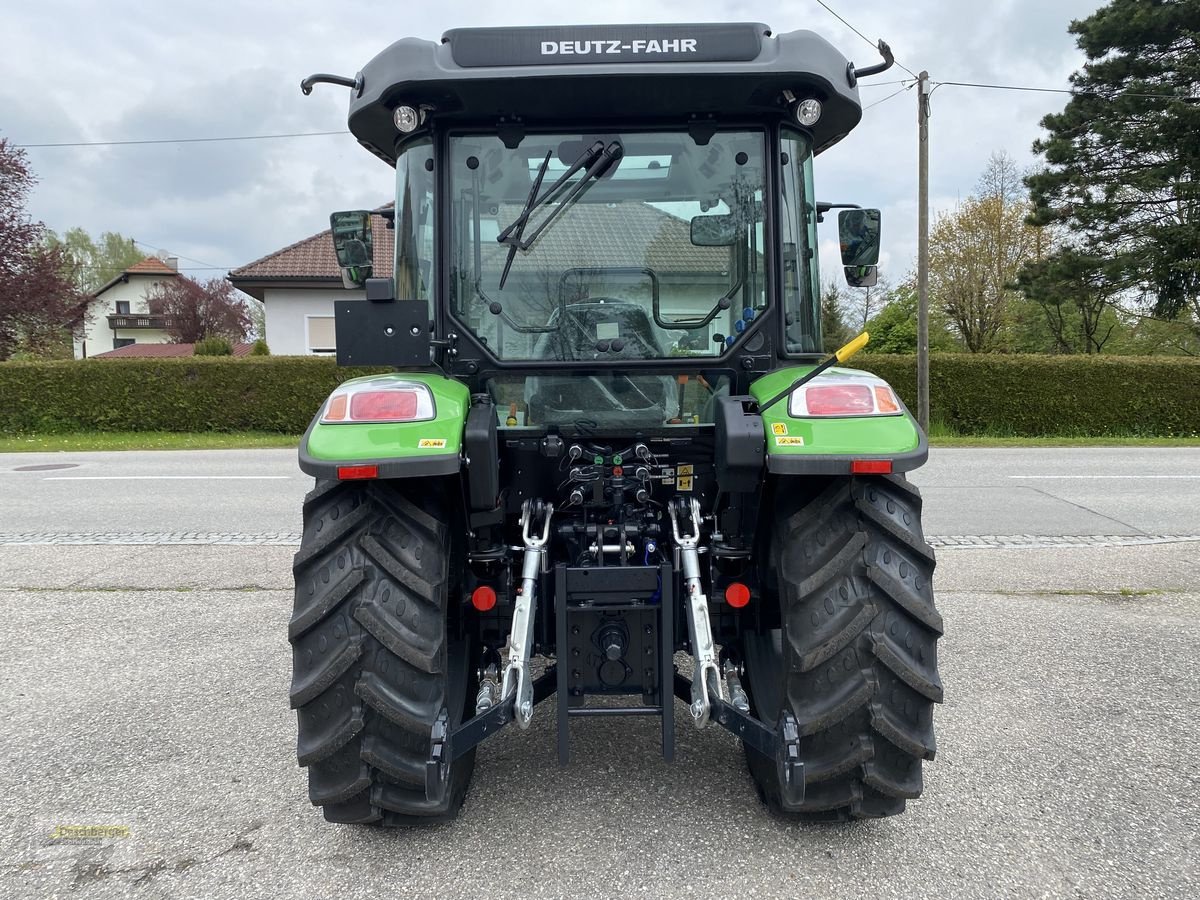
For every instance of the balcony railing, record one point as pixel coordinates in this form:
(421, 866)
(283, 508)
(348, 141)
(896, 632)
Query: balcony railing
(120, 320)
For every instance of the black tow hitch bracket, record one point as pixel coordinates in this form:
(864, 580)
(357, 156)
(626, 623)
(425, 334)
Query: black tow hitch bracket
(447, 745)
(781, 743)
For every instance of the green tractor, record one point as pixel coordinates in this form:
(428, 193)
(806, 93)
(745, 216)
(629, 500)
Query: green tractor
(609, 465)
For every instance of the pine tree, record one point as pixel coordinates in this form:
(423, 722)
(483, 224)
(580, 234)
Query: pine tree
(1122, 160)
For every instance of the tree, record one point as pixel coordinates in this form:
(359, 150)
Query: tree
(894, 328)
(1122, 160)
(861, 304)
(1074, 293)
(93, 263)
(196, 310)
(39, 305)
(976, 252)
(834, 332)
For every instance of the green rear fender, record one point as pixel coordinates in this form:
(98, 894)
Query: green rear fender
(400, 449)
(828, 446)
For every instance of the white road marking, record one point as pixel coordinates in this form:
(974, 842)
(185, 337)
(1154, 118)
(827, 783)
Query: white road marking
(167, 478)
(1122, 477)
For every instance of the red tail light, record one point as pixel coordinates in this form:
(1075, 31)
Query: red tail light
(737, 595)
(355, 473)
(379, 399)
(840, 400)
(383, 406)
(483, 598)
(871, 467)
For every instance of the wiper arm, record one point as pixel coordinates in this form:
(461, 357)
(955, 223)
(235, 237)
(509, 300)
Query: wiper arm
(519, 224)
(597, 159)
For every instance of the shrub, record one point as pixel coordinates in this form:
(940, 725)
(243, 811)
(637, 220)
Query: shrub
(1032, 395)
(278, 393)
(972, 393)
(260, 348)
(213, 346)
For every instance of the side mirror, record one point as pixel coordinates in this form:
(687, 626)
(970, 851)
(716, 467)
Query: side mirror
(862, 276)
(353, 244)
(858, 233)
(714, 231)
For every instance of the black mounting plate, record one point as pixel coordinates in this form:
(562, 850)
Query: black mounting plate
(382, 334)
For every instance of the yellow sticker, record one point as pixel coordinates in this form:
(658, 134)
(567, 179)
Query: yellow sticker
(431, 444)
(684, 470)
(779, 428)
(789, 442)
(685, 482)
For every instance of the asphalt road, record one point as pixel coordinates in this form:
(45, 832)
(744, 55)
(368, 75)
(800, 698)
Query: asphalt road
(1044, 491)
(145, 687)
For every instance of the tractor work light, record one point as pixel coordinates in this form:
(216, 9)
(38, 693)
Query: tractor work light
(808, 112)
(844, 397)
(379, 400)
(406, 119)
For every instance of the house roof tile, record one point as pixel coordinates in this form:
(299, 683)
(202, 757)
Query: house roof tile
(151, 265)
(162, 351)
(314, 257)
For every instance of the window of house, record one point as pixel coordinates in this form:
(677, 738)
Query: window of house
(118, 343)
(321, 335)
(122, 307)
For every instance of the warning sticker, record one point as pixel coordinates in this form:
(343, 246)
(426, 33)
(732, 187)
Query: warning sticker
(685, 477)
(789, 442)
(778, 428)
(432, 444)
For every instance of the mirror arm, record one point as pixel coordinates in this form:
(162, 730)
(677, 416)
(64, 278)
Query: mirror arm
(355, 83)
(853, 73)
(823, 207)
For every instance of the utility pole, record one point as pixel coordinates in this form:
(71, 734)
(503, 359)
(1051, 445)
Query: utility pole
(923, 251)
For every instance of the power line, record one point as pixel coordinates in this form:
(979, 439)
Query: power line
(1074, 93)
(888, 97)
(199, 262)
(874, 44)
(197, 140)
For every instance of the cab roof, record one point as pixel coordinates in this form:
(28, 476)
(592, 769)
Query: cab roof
(635, 74)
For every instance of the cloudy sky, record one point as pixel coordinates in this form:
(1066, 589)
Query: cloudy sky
(120, 70)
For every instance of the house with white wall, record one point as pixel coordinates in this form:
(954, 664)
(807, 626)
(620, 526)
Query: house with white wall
(298, 285)
(118, 315)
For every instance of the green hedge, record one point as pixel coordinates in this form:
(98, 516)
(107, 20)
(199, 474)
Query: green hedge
(992, 394)
(1031, 395)
(195, 394)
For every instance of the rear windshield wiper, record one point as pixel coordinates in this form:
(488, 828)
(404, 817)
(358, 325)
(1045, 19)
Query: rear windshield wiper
(595, 161)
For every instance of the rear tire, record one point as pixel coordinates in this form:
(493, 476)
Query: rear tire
(372, 663)
(856, 658)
